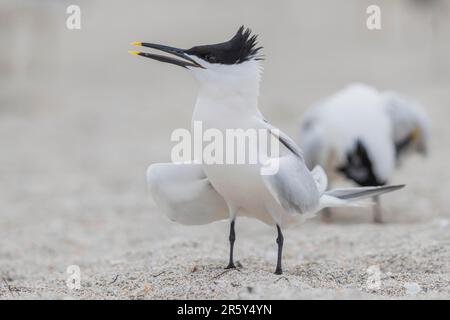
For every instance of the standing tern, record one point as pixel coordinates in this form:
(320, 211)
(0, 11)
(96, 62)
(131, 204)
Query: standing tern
(362, 134)
(197, 193)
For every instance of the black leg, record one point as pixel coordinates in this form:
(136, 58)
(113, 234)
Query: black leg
(377, 216)
(280, 241)
(231, 238)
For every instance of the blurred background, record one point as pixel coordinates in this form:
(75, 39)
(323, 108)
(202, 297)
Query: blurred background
(80, 121)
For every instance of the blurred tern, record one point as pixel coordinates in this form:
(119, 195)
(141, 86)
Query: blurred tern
(229, 74)
(362, 134)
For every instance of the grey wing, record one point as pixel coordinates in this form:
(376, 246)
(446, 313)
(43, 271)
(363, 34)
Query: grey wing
(284, 139)
(185, 194)
(361, 192)
(292, 185)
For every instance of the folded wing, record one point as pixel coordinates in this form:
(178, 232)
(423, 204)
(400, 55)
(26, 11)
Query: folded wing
(185, 194)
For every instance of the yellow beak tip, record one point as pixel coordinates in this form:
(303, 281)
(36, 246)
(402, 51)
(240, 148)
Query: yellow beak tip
(134, 52)
(136, 43)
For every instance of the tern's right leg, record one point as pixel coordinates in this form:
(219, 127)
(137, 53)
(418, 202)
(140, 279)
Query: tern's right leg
(326, 215)
(280, 240)
(377, 214)
(232, 238)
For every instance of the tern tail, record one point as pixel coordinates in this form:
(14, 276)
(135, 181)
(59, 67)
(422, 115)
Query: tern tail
(353, 197)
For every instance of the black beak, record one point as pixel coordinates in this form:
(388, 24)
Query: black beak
(186, 62)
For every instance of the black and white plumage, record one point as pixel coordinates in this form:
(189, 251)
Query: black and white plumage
(229, 74)
(362, 133)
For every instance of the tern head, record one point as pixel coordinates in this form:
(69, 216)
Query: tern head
(236, 57)
(411, 125)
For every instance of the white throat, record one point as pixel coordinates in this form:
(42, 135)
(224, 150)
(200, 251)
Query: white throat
(231, 87)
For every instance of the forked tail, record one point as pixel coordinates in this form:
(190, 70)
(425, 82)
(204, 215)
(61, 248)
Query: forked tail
(353, 197)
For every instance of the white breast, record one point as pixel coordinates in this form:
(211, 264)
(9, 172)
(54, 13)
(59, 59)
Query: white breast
(240, 185)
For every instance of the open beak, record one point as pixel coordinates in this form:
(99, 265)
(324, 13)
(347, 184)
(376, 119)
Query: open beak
(185, 62)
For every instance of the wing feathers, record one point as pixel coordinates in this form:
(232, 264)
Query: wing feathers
(185, 194)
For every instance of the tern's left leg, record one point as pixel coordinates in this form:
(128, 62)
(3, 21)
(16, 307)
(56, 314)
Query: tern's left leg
(280, 241)
(326, 215)
(232, 238)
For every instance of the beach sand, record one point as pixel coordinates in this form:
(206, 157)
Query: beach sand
(80, 125)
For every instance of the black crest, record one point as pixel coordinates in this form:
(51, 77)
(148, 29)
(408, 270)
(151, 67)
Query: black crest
(242, 47)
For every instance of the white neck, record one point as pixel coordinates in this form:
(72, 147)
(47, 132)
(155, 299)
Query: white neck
(231, 87)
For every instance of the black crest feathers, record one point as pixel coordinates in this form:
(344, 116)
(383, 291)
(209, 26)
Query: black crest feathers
(242, 47)
(247, 44)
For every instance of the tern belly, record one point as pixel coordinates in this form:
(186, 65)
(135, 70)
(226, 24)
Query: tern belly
(241, 185)
(245, 193)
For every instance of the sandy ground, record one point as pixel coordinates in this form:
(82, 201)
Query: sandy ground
(77, 137)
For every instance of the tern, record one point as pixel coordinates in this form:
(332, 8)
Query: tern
(363, 134)
(194, 193)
